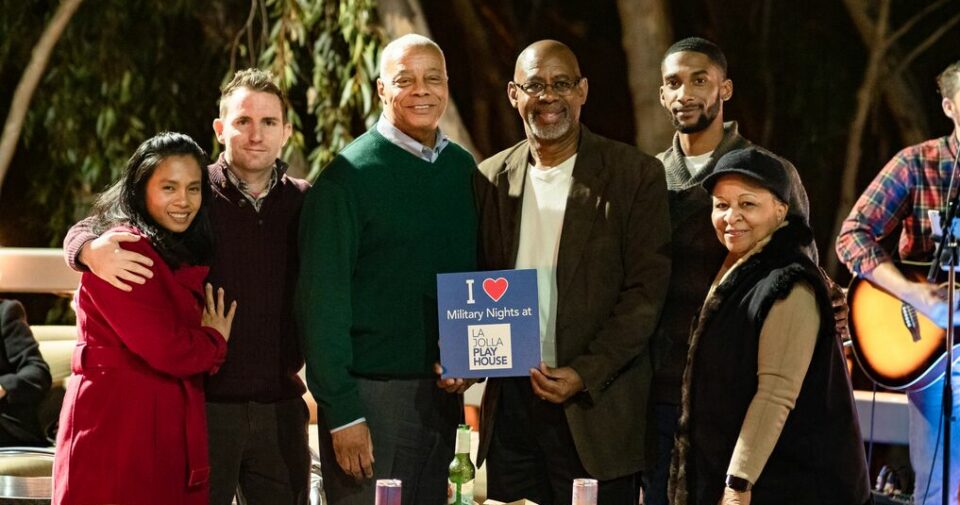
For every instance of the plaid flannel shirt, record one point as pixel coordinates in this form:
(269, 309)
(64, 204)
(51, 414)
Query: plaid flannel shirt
(914, 181)
(255, 200)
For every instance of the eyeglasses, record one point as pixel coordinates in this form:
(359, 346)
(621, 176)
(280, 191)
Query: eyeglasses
(561, 87)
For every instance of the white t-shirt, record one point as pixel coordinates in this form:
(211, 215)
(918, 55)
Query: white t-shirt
(541, 223)
(695, 164)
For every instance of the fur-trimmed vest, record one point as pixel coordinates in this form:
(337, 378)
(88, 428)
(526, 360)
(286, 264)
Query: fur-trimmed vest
(819, 457)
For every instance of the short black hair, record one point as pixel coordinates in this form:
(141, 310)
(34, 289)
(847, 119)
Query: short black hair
(702, 46)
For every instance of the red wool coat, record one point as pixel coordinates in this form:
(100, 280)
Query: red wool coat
(133, 424)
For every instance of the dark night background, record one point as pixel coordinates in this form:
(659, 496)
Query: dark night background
(796, 68)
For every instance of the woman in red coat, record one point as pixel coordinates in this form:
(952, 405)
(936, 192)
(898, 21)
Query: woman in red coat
(133, 426)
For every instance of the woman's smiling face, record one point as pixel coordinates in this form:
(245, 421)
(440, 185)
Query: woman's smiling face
(744, 213)
(173, 193)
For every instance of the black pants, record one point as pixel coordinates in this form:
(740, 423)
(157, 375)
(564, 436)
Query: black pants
(413, 426)
(260, 450)
(655, 481)
(532, 454)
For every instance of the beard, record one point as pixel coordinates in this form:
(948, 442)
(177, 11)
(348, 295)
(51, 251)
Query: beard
(707, 116)
(550, 131)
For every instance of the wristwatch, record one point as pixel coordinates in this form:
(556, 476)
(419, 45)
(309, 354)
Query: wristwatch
(738, 484)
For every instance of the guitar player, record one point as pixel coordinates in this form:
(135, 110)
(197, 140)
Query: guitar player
(914, 181)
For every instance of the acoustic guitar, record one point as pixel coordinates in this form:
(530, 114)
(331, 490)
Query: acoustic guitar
(897, 346)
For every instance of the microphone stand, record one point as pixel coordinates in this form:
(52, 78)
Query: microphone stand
(947, 221)
(951, 266)
(948, 260)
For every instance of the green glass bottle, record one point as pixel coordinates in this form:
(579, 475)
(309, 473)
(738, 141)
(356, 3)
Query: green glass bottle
(462, 471)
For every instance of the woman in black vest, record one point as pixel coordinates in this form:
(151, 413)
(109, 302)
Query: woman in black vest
(768, 413)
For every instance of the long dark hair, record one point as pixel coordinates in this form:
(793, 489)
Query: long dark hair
(126, 202)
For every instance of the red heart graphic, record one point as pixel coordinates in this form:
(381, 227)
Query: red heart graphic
(495, 288)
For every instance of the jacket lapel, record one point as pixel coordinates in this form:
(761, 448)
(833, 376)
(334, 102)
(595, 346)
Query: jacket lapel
(583, 203)
(510, 186)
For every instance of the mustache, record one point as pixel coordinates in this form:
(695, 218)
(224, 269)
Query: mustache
(550, 108)
(688, 108)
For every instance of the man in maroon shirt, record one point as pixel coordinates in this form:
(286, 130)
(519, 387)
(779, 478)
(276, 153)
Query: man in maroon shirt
(257, 420)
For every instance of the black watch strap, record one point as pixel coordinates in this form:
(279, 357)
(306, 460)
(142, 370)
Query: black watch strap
(738, 484)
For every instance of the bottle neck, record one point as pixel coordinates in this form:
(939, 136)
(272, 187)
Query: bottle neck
(463, 442)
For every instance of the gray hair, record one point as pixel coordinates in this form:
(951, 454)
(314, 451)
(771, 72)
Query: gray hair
(398, 46)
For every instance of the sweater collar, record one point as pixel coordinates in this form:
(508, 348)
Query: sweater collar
(676, 167)
(220, 179)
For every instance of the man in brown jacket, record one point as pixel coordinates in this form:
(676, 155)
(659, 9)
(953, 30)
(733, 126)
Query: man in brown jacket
(590, 214)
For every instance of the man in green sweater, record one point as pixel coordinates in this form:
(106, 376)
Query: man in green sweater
(394, 209)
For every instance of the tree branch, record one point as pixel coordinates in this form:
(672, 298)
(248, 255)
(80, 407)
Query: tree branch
(911, 22)
(29, 81)
(899, 93)
(264, 26)
(248, 26)
(865, 96)
(929, 41)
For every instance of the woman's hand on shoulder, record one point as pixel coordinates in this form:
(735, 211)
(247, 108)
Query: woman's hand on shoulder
(215, 314)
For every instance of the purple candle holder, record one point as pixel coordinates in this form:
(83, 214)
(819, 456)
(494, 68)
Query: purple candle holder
(584, 492)
(389, 491)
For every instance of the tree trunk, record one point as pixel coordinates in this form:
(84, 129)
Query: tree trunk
(899, 95)
(865, 94)
(494, 119)
(401, 17)
(29, 81)
(646, 36)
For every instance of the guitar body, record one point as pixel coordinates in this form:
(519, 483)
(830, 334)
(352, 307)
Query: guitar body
(897, 346)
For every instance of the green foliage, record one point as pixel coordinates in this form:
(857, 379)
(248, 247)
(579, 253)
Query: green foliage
(127, 69)
(344, 76)
(338, 43)
(121, 72)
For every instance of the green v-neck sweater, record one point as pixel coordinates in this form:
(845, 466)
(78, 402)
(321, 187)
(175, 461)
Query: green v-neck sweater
(376, 228)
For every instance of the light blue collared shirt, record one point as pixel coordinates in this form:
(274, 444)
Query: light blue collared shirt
(410, 144)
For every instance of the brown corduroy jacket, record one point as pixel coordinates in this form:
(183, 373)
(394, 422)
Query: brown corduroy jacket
(612, 271)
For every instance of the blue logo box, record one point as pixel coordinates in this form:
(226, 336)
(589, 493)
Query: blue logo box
(489, 323)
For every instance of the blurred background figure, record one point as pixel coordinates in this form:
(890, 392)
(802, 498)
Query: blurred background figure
(24, 379)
